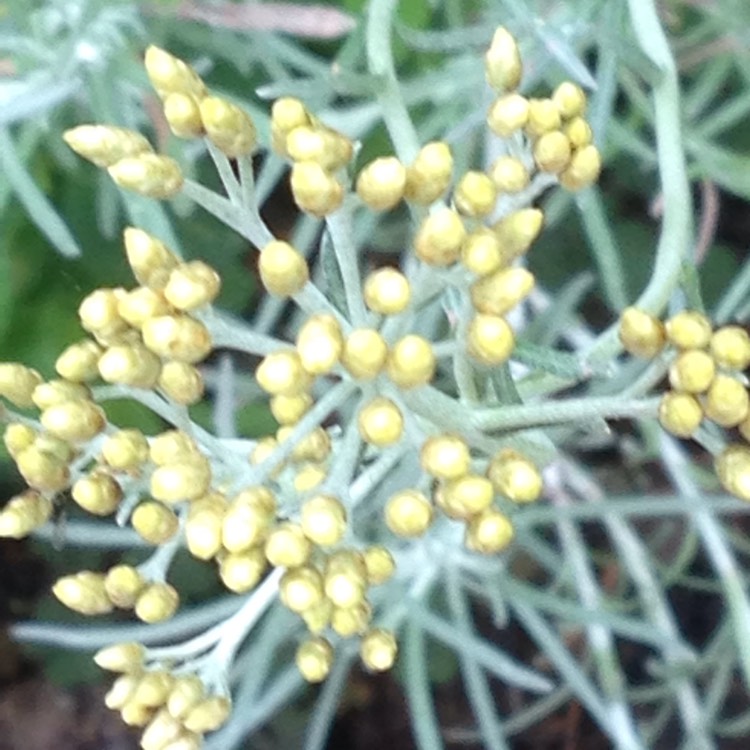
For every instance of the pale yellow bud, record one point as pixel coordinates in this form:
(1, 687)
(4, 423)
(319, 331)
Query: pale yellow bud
(18, 437)
(171, 447)
(319, 344)
(689, 329)
(174, 483)
(509, 174)
(183, 115)
(283, 270)
(74, 421)
(84, 593)
(319, 144)
(242, 571)
(42, 470)
(287, 113)
(123, 583)
(192, 285)
(181, 382)
(178, 337)
(489, 339)
(154, 522)
(160, 731)
(120, 657)
(78, 363)
(408, 513)
(365, 353)
(105, 145)
(579, 133)
(228, 126)
(380, 422)
(157, 602)
(378, 650)
(489, 532)
(379, 564)
(680, 414)
(552, 152)
(411, 362)
(641, 333)
(583, 170)
(543, 117)
(323, 520)
(301, 588)
(518, 231)
(130, 364)
(475, 194)
(314, 658)
(248, 519)
(98, 493)
(429, 175)
(508, 114)
(730, 347)
(17, 383)
(481, 252)
(186, 693)
(208, 715)
(282, 373)
(24, 513)
(288, 410)
(381, 184)
(514, 476)
(151, 175)
(287, 546)
(387, 291)
(727, 403)
(693, 371)
(169, 74)
(733, 469)
(125, 450)
(570, 100)
(445, 456)
(149, 258)
(438, 240)
(501, 291)
(314, 190)
(502, 62)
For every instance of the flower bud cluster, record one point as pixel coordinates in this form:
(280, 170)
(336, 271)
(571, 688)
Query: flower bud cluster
(174, 709)
(706, 377)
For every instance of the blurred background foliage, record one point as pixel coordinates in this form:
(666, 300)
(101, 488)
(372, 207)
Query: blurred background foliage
(66, 62)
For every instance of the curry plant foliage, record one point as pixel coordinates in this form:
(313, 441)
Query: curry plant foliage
(434, 405)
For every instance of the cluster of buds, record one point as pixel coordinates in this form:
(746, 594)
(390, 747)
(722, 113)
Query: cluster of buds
(294, 524)
(174, 708)
(706, 379)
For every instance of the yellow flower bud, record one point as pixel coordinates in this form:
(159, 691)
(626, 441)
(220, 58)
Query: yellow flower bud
(438, 240)
(319, 144)
(287, 113)
(287, 546)
(318, 618)
(192, 285)
(181, 382)
(308, 477)
(248, 519)
(187, 692)
(583, 170)
(154, 522)
(151, 175)
(517, 231)
(178, 337)
(345, 578)
(288, 410)
(380, 422)
(17, 383)
(105, 145)
(429, 175)
(381, 184)
(475, 194)
(730, 347)
(314, 658)
(172, 446)
(509, 174)
(121, 691)
(467, 495)
(283, 270)
(228, 126)
(365, 353)
(78, 363)
(689, 329)
(408, 513)
(150, 259)
(282, 373)
(99, 312)
(489, 339)
(641, 333)
(320, 343)
(579, 133)
(379, 564)
(323, 520)
(121, 657)
(387, 291)
(84, 593)
(153, 688)
(502, 62)
(242, 571)
(23, 513)
(515, 476)
(42, 470)
(727, 403)
(543, 117)
(411, 362)
(570, 100)
(125, 450)
(301, 588)
(680, 414)
(157, 602)
(123, 583)
(169, 74)
(488, 532)
(160, 731)
(692, 371)
(56, 392)
(501, 291)
(264, 448)
(445, 457)
(74, 421)
(481, 252)
(378, 650)
(183, 115)
(208, 715)
(98, 493)
(176, 482)
(18, 437)
(351, 621)
(203, 528)
(733, 469)
(552, 152)
(508, 114)
(314, 190)
(130, 364)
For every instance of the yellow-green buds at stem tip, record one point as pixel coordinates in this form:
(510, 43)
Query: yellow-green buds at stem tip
(314, 659)
(283, 270)
(105, 145)
(380, 422)
(502, 62)
(733, 469)
(228, 126)
(641, 333)
(381, 184)
(17, 383)
(378, 650)
(169, 74)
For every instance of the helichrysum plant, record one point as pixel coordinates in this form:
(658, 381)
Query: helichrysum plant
(415, 426)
